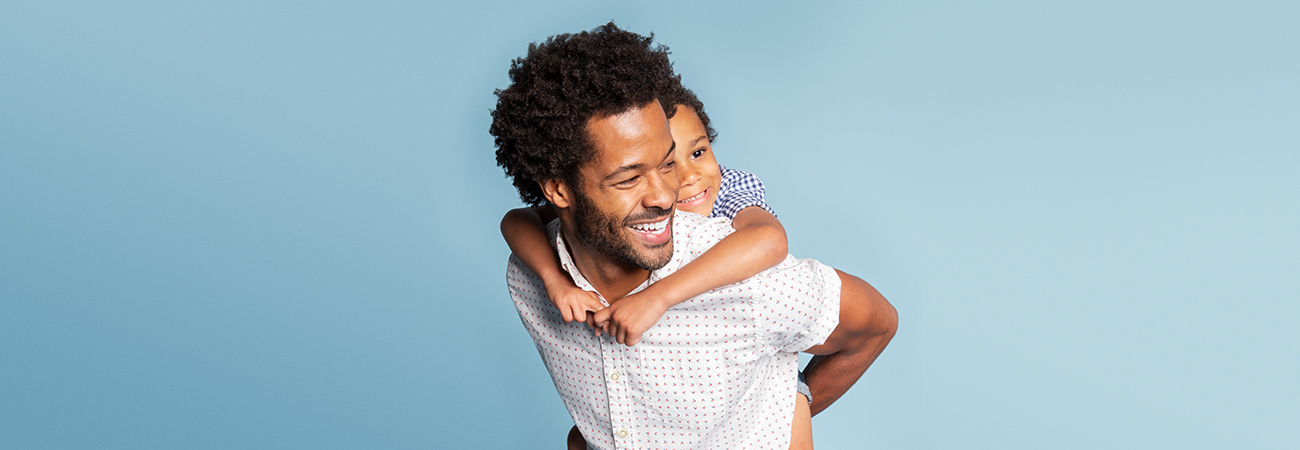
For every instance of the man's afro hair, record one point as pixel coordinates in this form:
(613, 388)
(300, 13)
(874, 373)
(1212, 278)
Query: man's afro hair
(540, 122)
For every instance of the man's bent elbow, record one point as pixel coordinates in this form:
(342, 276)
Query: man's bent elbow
(890, 320)
(882, 317)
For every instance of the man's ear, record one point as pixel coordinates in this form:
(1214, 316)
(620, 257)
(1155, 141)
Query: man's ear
(557, 192)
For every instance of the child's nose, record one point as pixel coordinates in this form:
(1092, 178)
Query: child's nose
(687, 175)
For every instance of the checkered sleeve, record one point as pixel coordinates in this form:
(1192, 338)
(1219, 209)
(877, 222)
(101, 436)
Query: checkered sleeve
(738, 190)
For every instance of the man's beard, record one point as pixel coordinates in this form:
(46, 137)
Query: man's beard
(605, 234)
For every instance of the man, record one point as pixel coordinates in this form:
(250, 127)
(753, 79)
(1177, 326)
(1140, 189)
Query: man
(580, 128)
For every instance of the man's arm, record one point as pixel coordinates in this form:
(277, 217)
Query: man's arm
(867, 323)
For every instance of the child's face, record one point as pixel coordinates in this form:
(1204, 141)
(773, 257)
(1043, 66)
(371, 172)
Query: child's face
(697, 171)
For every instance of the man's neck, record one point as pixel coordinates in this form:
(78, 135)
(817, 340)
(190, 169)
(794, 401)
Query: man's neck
(613, 280)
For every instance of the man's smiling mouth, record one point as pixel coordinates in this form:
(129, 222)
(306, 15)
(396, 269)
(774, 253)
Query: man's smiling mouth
(653, 227)
(654, 234)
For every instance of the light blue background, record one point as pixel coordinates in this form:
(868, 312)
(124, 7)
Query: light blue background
(250, 225)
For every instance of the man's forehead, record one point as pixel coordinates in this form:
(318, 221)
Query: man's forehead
(639, 135)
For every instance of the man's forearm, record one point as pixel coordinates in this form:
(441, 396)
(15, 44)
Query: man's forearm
(830, 376)
(867, 323)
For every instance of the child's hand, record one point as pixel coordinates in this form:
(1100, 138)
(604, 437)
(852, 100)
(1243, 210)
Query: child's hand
(574, 302)
(631, 316)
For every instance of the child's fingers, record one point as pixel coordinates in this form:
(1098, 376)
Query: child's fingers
(634, 334)
(602, 315)
(594, 304)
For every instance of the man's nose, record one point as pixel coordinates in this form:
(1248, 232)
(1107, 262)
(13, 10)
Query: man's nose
(663, 191)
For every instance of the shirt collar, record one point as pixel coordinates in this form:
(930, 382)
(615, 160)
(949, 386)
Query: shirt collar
(566, 262)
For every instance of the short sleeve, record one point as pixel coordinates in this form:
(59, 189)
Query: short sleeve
(798, 305)
(739, 190)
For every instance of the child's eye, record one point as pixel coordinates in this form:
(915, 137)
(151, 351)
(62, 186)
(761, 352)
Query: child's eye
(697, 153)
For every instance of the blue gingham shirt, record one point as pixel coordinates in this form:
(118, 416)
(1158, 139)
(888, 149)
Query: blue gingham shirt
(738, 190)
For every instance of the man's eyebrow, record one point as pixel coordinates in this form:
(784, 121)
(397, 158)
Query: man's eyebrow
(639, 166)
(626, 168)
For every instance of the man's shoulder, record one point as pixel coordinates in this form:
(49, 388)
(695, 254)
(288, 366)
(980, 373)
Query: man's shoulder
(693, 231)
(519, 275)
(687, 224)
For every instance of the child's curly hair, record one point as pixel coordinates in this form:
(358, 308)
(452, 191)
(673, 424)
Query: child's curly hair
(540, 122)
(676, 95)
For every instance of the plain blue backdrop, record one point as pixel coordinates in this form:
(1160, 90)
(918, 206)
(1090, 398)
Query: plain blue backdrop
(274, 224)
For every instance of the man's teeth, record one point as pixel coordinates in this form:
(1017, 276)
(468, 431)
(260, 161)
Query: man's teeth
(651, 227)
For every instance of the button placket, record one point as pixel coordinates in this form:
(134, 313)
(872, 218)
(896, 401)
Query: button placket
(622, 416)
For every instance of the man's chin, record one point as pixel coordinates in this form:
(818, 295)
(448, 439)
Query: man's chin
(664, 254)
(653, 248)
(651, 257)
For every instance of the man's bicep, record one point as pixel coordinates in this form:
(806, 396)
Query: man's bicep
(862, 308)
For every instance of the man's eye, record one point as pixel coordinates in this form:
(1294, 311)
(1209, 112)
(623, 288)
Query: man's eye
(628, 182)
(697, 153)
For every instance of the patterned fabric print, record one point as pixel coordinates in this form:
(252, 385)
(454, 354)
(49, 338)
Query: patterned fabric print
(738, 190)
(716, 372)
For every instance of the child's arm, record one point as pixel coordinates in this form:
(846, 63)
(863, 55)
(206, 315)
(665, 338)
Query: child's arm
(758, 244)
(525, 233)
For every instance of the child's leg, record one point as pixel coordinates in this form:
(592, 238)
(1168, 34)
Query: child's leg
(801, 429)
(576, 442)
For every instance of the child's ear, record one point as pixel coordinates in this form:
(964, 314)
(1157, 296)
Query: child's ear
(557, 192)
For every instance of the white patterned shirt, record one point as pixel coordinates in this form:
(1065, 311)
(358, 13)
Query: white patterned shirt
(716, 372)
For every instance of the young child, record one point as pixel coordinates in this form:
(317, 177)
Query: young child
(706, 188)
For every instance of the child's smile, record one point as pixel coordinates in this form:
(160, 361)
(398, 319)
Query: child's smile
(694, 202)
(697, 171)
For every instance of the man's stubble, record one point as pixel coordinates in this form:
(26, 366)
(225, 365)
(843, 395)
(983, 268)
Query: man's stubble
(604, 234)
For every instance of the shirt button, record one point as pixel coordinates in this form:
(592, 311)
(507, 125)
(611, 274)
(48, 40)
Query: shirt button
(613, 376)
(622, 433)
